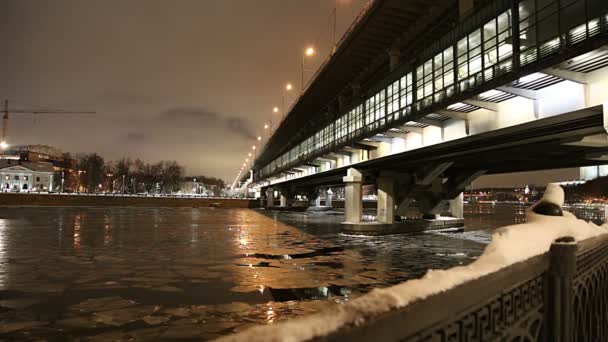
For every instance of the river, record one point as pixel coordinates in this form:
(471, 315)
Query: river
(188, 274)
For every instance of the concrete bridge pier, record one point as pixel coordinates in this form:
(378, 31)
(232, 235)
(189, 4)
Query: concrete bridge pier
(353, 200)
(283, 199)
(386, 199)
(457, 206)
(269, 198)
(329, 198)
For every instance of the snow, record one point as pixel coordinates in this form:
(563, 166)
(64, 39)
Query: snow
(509, 245)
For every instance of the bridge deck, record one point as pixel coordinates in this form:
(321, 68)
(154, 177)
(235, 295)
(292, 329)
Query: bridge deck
(536, 145)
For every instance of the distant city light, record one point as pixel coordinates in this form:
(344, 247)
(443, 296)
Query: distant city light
(276, 109)
(253, 147)
(288, 86)
(259, 138)
(310, 51)
(265, 126)
(3, 145)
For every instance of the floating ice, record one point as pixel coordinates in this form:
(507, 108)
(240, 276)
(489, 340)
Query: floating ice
(509, 245)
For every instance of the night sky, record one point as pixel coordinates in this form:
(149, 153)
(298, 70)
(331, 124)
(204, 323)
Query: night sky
(187, 80)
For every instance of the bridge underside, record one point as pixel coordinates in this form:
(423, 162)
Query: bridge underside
(437, 174)
(550, 143)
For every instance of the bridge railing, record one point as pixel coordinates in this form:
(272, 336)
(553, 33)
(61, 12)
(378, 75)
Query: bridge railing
(561, 295)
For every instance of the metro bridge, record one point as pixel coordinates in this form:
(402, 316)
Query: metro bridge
(420, 100)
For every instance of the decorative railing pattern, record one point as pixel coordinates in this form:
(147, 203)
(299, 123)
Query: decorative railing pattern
(561, 295)
(487, 49)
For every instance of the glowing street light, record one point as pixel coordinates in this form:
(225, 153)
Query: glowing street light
(266, 126)
(288, 87)
(309, 52)
(249, 154)
(3, 145)
(275, 109)
(259, 138)
(253, 147)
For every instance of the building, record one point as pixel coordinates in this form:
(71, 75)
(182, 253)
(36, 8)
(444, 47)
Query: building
(21, 176)
(62, 164)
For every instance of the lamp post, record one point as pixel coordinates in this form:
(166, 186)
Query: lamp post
(62, 181)
(288, 88)
(309, 52)
(194, 185)
(111, 182)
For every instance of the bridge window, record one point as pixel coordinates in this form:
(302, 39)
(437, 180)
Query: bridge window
(405, 85)
(469, 59)
(443, 70)
(392, 101)
(375, 110)
(497, 44)
(355, 121)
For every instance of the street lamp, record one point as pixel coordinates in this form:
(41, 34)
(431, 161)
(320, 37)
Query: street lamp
(288, 88)
(3, 145)
(62, 181)
(310, 51)
(194, 187)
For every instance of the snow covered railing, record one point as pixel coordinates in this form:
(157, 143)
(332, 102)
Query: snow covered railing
(544, 280)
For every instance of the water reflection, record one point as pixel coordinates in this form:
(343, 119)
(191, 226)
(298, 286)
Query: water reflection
(132, 273)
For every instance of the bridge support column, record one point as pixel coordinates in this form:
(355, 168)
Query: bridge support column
(353, 201)
(386, 201)
(457, 206)
(283, 199)
(269, 198)
(329, 198)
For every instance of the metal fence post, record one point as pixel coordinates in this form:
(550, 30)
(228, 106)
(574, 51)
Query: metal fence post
(559, 301)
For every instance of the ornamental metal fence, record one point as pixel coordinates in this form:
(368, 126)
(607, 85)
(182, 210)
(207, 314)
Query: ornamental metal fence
(561, 295)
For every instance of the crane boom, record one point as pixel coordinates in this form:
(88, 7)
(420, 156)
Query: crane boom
(3, 143)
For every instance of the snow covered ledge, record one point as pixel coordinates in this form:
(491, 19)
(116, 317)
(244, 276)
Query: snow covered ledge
(510, 245)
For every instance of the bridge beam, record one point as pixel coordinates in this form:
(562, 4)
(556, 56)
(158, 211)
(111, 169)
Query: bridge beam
(573, 76)
(482, 104)
(430, 122)
(526, 93)
(453, 114)
(396, 134)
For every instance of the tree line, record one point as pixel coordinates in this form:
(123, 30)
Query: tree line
(132, 175)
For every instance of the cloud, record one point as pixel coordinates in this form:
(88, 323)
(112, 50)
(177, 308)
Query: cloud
(189, 114)
(238, 126)
(122, 98)
(136, 137)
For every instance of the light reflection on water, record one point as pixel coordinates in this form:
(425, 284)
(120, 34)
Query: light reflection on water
(133, 273)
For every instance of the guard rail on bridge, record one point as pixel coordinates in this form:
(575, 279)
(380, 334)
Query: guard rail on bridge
(561, 295)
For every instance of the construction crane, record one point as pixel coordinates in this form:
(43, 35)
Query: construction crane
(3, 143)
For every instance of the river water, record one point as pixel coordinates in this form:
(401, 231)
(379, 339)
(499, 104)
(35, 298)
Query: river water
(189, 274)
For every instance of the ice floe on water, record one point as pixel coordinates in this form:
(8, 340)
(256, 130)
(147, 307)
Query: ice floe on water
(509, 245)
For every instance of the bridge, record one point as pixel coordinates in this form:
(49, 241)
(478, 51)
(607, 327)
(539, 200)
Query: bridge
(419, 100)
